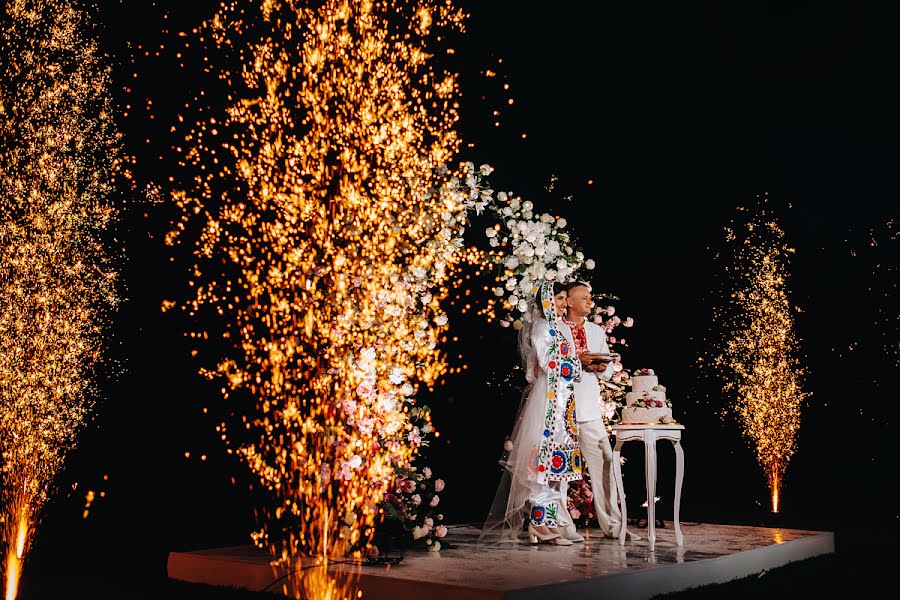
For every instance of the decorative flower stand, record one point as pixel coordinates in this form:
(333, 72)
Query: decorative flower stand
(649, 433)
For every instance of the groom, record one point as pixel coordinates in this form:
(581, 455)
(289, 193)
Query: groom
(586, 337)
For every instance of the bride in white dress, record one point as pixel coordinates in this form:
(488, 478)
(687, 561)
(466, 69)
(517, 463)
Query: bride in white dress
(543, 448)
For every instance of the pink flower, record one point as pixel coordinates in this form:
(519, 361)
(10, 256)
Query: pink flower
(434, 501)
(575, 513)
(349, 406)
(372, 551)
(414, 436)
(366, 389)
(406, 485)
(610, 310)
(598, 319)
(439, 485)
(426, 472)
(429, 521)
(629, 322)
(348, 466)
(416, 499)
(612, 339)
(504, 323)
(440, 531)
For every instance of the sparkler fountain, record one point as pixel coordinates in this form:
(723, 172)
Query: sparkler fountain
(759, 359)
(323, 232)
(59, 156)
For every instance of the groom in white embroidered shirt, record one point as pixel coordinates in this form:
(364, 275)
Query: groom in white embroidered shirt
(587, 337)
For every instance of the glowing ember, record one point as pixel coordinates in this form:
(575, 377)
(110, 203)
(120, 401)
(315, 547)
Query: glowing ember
(58, 154)
(759, 358)
(323, 233)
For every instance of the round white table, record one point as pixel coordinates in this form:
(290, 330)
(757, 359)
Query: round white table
(649, 433)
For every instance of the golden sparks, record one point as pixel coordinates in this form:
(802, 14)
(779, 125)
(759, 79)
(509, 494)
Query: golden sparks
(59, 156)
(323, 232)
(759, 359)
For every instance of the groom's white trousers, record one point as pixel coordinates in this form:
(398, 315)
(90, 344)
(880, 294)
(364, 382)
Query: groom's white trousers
(597, 454)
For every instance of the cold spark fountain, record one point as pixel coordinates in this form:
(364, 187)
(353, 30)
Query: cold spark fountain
(759, 359)
(58, 164)
(323, 232)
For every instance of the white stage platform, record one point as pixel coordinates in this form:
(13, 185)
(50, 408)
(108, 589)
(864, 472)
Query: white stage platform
(597, 568)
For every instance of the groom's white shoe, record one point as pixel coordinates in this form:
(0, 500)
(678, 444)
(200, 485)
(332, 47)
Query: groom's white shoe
(570, 533)
(629, 536)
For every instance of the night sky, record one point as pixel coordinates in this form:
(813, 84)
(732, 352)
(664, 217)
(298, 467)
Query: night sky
(676, 114)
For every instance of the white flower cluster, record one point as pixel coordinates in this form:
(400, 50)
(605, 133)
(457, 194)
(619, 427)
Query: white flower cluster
(539, 249)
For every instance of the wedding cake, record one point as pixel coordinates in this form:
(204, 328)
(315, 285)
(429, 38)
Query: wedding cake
(646, 402)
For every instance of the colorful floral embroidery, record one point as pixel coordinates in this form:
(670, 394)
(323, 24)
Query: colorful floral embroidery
(571, 419)
(558, 462)
(577, 465)
(560, 431)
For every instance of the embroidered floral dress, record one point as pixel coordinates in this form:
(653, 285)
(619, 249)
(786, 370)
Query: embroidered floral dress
(557, 455)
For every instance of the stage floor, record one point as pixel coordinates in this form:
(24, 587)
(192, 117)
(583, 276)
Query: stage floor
(597, 568)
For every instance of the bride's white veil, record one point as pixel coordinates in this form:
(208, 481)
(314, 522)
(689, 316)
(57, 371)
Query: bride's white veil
(519, 485)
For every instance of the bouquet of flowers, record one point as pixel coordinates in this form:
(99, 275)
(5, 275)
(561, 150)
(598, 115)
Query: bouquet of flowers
(414, 504)
(581, 503)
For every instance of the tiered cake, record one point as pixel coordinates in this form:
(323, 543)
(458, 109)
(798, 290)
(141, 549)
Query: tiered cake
(646, 402)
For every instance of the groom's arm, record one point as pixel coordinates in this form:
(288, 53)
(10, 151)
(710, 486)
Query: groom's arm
(605, 372)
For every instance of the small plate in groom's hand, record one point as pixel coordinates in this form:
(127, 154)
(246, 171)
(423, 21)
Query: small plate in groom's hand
(604, 356)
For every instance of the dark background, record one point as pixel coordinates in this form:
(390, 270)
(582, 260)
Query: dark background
(677, 113)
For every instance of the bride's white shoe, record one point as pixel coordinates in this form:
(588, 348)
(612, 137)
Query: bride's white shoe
(542, 533)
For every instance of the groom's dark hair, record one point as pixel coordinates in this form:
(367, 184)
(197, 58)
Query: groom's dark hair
(574, 284)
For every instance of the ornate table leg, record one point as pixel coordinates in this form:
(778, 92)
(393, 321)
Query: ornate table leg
(620, 489)
(650, 454)
(679, 475)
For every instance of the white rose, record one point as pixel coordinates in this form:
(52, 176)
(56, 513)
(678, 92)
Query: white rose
(522, 306)
(527, 206)
(589, 264)
(561, 223)
(512, 262)
(441, 320)
(513, 300)
(498, 291)
(562, 263)
(501, 196)
(550, 275)
(490, 232)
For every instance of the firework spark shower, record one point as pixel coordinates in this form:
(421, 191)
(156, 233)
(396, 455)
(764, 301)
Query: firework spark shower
(323, 230)
(759, 359)
(59, 155)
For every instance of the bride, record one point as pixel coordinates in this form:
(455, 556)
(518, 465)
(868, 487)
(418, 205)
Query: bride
(543, 448)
